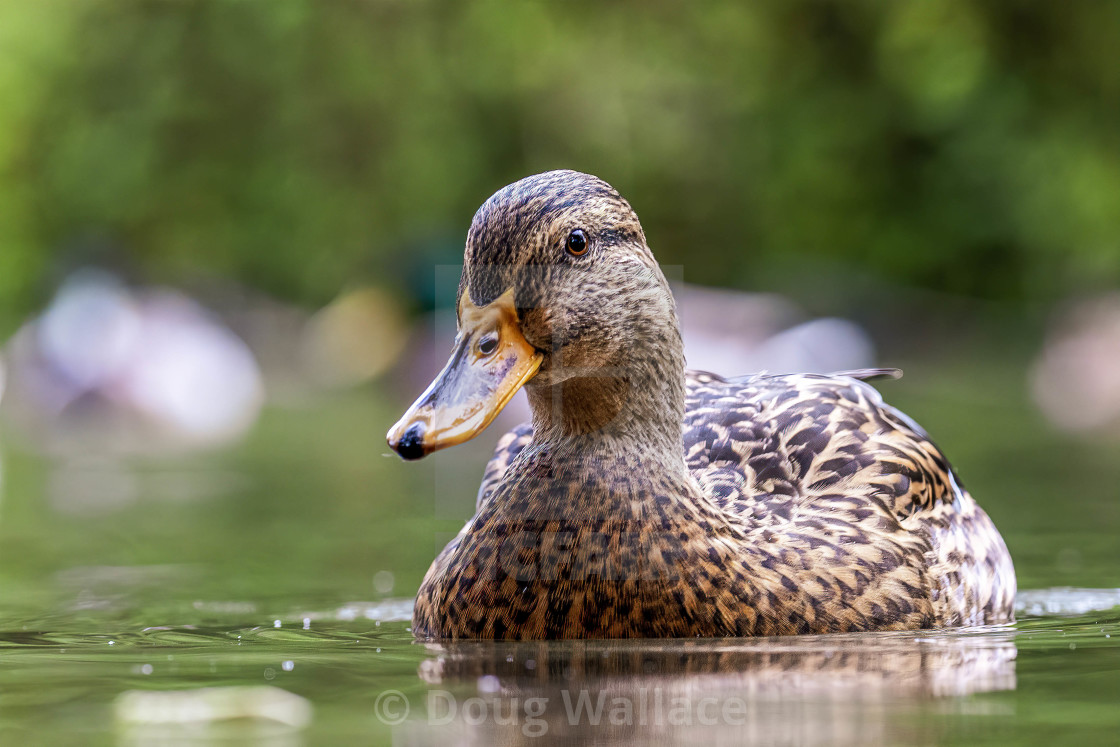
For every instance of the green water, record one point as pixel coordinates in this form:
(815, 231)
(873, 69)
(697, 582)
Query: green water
(289, 560)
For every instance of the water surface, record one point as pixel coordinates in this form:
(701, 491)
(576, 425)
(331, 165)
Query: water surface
(1045, 679)
(290, 561)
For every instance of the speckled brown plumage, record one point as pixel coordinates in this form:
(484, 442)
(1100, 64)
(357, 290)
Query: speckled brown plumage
(644, 501)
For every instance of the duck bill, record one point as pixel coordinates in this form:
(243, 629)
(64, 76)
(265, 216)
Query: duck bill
(490, 362)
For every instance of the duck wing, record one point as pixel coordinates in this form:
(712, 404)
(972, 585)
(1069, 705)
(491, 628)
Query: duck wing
(821, 463)
(765, 444)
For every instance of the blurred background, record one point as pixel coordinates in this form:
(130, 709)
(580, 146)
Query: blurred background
(229, 234)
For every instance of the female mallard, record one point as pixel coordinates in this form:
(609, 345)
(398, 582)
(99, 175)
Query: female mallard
(646, 500)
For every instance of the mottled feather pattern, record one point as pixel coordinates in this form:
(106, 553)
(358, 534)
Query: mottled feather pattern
(835, 499)
(822, 459)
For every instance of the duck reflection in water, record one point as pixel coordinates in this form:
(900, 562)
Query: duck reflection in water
(834, 689)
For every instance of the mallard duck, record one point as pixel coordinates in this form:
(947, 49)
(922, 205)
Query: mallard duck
(645, 500)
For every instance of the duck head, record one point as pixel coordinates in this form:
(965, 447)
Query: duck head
(559, 294)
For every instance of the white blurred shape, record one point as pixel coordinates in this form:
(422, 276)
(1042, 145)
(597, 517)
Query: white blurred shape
(732, 333)
(1064, 600)
(210, 704)
(90, 330)
(112, 368)
(193, 374)
(1074, 379)
(817, 346)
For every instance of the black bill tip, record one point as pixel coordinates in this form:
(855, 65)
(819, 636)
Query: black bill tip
(411, 445)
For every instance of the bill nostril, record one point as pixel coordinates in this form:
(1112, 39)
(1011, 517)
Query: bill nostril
(411, 445)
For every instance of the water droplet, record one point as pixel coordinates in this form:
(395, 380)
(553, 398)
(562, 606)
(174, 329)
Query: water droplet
(111, 643)
(288, 666)
(146, 669)
(276, 623)
(378, 651)
(307, 623)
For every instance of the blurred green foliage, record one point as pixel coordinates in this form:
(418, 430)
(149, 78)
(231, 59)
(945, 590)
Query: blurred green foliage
(299, 146)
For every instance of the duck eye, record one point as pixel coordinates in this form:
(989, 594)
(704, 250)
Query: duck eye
(577, 243)
(488, 344)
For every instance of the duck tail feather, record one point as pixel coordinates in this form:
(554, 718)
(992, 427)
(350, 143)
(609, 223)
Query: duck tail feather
(870, 374)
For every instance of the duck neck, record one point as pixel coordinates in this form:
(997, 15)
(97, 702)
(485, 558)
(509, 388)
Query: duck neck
(627, 413)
